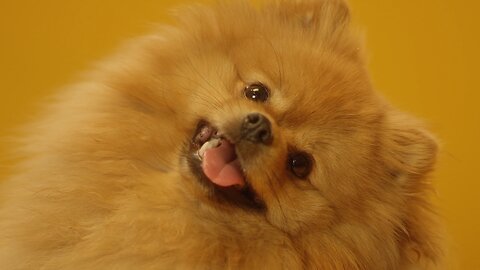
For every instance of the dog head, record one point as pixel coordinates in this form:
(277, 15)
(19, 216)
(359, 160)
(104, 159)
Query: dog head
(275, 114)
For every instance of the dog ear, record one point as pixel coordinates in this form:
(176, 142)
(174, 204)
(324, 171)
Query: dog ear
(324, 16)
(327, 20)
(411, 152)
(409, 149)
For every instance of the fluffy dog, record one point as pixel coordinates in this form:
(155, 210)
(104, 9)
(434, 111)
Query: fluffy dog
(238, 138)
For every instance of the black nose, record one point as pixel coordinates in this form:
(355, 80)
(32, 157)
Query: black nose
(257, 128)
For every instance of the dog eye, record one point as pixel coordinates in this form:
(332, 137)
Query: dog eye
(300, 164)
(257, 92)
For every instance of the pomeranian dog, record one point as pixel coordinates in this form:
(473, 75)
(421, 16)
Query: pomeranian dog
(238, 138)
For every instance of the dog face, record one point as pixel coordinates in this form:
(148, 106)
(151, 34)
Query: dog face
(290, 125)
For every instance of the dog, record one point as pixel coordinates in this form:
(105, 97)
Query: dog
(239, 137)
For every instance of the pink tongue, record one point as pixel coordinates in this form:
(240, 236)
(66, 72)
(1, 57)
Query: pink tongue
(221, 165)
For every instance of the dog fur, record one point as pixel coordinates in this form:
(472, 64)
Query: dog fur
(105, 183)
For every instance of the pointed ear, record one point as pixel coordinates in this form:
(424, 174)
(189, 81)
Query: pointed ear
(328, 21)
(410, 150)
(324, 16)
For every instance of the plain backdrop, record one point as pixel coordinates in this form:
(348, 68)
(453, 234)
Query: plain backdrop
(424, 57)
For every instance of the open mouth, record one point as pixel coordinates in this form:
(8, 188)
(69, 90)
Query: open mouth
(213, 159)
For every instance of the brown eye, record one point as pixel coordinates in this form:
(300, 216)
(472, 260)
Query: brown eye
(257, 92)
(300, 164)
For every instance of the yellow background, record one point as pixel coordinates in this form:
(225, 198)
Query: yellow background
(424, 56)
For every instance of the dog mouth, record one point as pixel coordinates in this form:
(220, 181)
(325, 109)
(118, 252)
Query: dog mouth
(213, 160)
(218, 157)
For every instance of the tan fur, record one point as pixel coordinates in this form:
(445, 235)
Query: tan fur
(104, 184)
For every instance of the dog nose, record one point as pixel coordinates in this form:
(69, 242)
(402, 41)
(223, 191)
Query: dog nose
(257, 128)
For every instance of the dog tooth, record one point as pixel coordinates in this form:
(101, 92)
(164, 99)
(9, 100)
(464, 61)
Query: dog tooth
(208, 145)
